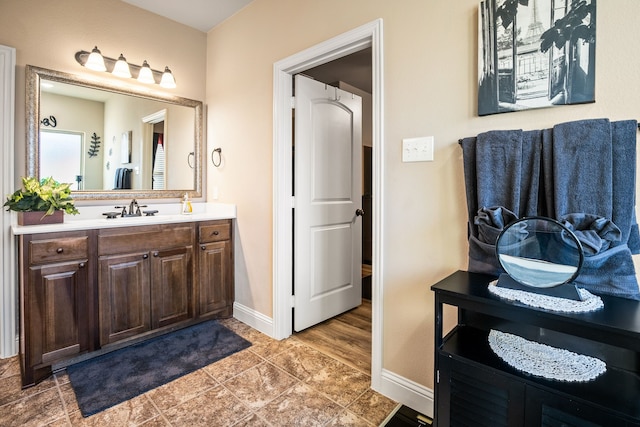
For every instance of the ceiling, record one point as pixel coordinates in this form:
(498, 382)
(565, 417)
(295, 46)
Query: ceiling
(202, 15)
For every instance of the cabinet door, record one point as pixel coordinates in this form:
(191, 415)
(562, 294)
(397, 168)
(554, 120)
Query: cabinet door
(215, 281)
(171, 286)
(550, 409)
(58, 316)
(123, 282)
(473, 395)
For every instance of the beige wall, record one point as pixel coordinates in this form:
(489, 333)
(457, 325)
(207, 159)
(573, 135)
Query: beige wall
(430, 89)
(49, 33)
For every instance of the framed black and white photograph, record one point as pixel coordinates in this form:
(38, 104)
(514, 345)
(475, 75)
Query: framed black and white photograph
(535, 54)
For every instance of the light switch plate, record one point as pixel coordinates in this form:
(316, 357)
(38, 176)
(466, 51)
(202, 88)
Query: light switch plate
(417, 149)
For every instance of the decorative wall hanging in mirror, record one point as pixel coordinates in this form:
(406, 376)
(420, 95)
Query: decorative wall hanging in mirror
(108, 109)
(535, 53)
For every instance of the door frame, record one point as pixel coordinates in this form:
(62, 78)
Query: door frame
(368, 35)
(8, 283)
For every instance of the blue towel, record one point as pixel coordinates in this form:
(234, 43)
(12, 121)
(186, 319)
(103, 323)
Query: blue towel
(547, 205)
(469, 162)
(530, 173)
(582, 168)
(583, 171)
(610, 273)
(623, 142)
(499, 169)
(494, 171)
(491, 222)
(595, 233)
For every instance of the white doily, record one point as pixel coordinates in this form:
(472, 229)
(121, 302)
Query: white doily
(589, 301)
(544, 361)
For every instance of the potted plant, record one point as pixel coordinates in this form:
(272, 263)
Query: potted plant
(41, 201)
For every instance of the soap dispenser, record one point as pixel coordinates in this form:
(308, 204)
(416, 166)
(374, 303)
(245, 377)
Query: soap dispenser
(187, 209)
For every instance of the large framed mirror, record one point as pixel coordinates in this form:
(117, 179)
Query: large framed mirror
(112, 141)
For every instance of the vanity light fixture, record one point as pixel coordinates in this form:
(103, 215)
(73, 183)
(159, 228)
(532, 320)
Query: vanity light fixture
(95, 61)
(167, 79)
(146, 75)
(121, 68)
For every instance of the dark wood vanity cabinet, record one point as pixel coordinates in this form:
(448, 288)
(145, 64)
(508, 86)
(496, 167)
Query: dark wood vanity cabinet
(56, 305)
(145, 279)
(475, 387)
(215, 261)
(92, 291)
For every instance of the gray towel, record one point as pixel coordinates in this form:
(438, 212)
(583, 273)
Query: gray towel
(595, 233)
(491, 221)
(499, 169)
(610, 273)
(623, 143)
(530, 173)
(547, 206)
(582, 168)
(469, 162)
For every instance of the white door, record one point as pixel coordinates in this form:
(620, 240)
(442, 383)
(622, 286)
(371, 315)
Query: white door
(328, 198)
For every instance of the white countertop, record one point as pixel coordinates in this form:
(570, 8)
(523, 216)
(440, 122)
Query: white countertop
(91, 217)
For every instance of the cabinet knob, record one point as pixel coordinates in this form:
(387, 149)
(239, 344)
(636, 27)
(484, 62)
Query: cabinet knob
(81, 265)
(145, 256)
(203, 247)
(59, 250)
(215, 233)
(155, 254)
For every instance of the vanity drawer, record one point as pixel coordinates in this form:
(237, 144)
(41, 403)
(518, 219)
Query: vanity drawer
(145, 238)
(215, 232)
(56, 250)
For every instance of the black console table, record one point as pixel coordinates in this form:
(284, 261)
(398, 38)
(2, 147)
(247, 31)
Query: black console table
(474, 387)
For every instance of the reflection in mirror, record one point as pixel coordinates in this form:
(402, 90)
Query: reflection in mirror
(539, 253)
(133, 143)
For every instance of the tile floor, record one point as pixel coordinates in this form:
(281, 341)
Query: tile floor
(270, 384)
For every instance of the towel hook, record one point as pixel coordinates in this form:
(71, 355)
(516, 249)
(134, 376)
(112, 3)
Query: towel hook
(219, 151)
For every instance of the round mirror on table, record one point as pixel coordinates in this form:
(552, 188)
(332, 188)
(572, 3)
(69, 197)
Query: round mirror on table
(539, 255)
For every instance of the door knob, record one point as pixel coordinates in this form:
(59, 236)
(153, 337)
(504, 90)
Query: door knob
(359, 212)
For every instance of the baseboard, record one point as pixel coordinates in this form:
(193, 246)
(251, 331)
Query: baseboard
(253, 318)
(409, 393)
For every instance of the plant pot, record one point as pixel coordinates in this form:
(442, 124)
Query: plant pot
(38, 217)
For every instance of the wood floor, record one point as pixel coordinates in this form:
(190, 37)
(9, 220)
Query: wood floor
(346, 337)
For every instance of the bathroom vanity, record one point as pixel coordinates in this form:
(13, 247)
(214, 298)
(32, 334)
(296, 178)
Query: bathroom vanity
(473, 386)
(91, 286)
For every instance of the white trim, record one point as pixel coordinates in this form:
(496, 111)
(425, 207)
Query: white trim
(253, 318)
(367, 35)
(411, 394)
(8, 288)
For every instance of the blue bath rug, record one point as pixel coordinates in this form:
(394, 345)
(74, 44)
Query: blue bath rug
(118, 376)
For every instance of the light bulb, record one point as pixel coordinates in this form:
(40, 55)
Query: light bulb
(121, 68)
(95, 61)
(167, 80)
(146, 75)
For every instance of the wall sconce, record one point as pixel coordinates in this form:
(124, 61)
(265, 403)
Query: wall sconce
(121, 68)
